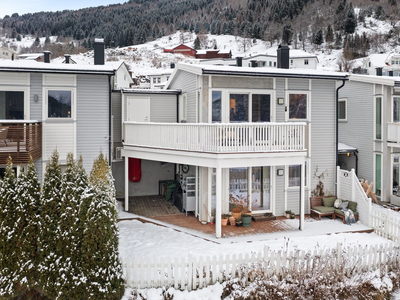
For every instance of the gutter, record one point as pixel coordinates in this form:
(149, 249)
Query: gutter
(109, 122)
(272, 75)
(55, 71)
(337, 128)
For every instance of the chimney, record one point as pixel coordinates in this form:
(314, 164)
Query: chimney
(12, 56)
(172, 65)
(98, 47)
(67, 57)
(283, 57)
(239, 61)
(391, 73)
(253, 63)
(47, 56)
(379, 71)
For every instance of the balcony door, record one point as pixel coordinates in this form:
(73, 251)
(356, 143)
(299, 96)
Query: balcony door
(12, 105)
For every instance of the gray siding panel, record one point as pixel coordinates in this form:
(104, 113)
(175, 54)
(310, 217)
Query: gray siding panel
(280, 93)
(36, 89)
(92, 117)
(186, 82)
(163, 108)
(358, 130)
(116, 113)
(323, 133)
(298, 84)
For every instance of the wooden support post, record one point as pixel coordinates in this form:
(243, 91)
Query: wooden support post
(218, 194)
(126, 183)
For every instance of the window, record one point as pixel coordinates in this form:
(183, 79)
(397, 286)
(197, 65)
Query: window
(154, 80)
(167, 78)
(396, 176)
(261, 108)
(369, 64)
(295, 175)
(306, 61)
(378, 171)
(297, 106)
(270, 63)
(274, 63)
(239, 108)
(396, 109)
(342, 110)
(216, 106)
(291, 61)
(378, 118)
(158, 79)
(59, 103)
(11, 105)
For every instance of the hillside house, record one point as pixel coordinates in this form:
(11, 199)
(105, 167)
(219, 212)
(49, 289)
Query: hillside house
(382, 64)
(233, 134)
(48, 106)
(7, 53)
(213, 53)
(182, 49)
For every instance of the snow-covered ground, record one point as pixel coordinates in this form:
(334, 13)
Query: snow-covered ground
(139, 239)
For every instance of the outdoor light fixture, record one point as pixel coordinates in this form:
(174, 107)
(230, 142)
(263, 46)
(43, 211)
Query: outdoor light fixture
(281, 101)
(348, 154)
(279, 172)
(35, 98)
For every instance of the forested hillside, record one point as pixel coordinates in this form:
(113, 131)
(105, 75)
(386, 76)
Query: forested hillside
(295, 22)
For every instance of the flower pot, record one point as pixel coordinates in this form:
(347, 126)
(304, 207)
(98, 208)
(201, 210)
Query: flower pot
(237, 215)
(224, 222)
(238, 223)
(287, 216)
(246, 220)
(232, 221)
(292, 216)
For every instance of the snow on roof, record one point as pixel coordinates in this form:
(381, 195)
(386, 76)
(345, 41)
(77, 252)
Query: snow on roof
(30, 55)
(378, 60)
(343, 148)
(201, 51)
(201, 69)
(30, 65)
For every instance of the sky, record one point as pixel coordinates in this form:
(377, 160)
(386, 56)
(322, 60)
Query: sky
(8, 7)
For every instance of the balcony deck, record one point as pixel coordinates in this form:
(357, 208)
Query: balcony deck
(217, 137)
(20, 140)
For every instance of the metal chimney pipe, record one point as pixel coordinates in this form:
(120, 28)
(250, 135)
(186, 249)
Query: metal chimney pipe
(172, 65)
(67, 58)
(99, 47)
(379, 71)
(47, 56)
(283, 57)
(239, 61)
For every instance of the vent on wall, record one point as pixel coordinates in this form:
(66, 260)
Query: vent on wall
(118, 155)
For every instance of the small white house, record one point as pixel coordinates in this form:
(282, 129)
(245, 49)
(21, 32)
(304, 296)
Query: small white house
(7, 53)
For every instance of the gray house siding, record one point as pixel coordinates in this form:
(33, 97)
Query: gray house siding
(116, 108)
(186, 82)
(92, 117)
(163, 108)
(358, 130)
(36, 89)
(323, 134)
(280, 93)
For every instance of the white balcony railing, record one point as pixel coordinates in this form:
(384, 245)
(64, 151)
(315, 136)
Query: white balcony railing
(393, 132)
(217, 137)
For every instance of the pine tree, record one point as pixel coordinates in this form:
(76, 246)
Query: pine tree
(287, 34)
(24, 234)
(329, 37)
(50, 215)
(350, 23)
(318, 38)
(196, 45)
(7, 264)
(101, 264)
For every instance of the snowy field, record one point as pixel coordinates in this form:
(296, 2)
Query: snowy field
(139, 239)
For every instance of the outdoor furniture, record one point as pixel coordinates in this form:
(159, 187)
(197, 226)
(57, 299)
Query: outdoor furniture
(3, 134)
(323, 206)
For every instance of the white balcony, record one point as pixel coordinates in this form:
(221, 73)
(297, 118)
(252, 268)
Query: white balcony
(393, 133)
(217, 137)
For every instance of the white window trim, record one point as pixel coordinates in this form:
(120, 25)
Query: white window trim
(183, 107)
(225, 102)
(345, 109)
(392, 108)
(45, 103)
(26, 90)
(306, 176)
(287, 119)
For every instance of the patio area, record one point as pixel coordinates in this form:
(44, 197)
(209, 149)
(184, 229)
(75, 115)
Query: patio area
(154, 209)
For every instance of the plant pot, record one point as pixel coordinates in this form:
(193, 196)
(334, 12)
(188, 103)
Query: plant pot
(287, 216)
(246, 220)
(224, 222)
(232, 221)
(238, 223)
(292, 216)
(237, 215)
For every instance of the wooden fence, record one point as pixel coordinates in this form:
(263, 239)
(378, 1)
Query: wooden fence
(194, 272)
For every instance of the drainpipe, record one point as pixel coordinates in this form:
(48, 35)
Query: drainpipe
(337, 129)
(355, 154)
(109, 122)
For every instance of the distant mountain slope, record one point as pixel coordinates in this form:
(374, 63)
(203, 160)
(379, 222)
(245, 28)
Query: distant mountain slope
(294, 22)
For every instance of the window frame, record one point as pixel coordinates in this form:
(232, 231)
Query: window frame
(381, 117)
(296, 92)
(46, 102)
(392, 109)
(306, 62)
(306, 176)
(26, 91)
(342, 100)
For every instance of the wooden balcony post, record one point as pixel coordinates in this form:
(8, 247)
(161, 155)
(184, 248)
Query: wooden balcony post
(218, 194)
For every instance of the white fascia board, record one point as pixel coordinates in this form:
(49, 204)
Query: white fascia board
(390, 81)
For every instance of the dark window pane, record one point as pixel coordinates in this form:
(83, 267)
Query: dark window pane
(396, 109)
(12, 105)
(239, 108)
(378, 120)
(216, 106)
(342, 110)
(261, 108)
(297, 106)
(59, 103)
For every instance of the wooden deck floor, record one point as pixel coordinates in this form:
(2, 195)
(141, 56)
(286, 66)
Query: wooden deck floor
(159, 210)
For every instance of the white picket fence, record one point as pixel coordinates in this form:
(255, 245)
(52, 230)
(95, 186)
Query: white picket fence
(386, 224)
(197, 272)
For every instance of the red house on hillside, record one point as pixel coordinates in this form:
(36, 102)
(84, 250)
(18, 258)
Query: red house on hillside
(209, 54)
(182, 49)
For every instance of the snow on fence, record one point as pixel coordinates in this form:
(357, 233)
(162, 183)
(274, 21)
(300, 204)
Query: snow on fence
(386, 225)
(197, 272)
(349, 188)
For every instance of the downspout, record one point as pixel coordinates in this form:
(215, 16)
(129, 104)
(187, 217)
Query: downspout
(109, 122)
(337, 130)
(355, 154)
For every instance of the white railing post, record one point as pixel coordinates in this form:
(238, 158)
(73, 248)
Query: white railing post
(338, 173)
(353, 182)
